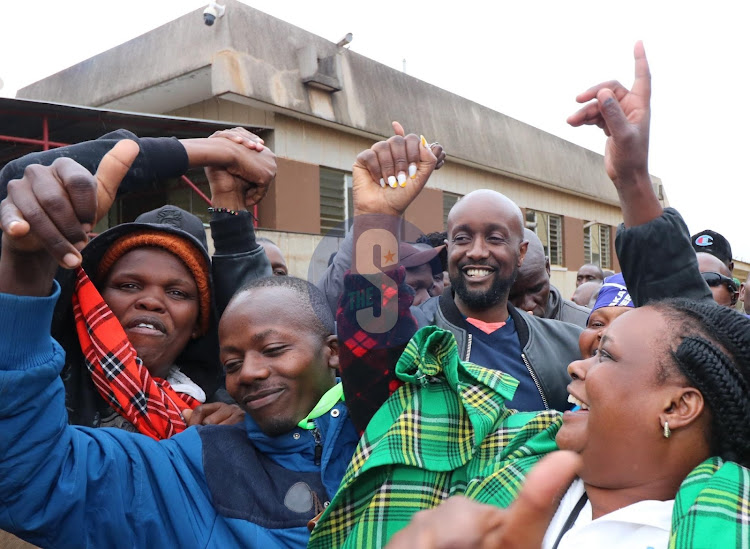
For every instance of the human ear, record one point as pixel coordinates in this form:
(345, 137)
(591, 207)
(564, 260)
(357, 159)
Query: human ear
(683, 409)
(522, 251)
(332, 343)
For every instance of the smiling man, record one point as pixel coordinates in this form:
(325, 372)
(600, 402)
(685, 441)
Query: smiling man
(253, 484)
(485, 247)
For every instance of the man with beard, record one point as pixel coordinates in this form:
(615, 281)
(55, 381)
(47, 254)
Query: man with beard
(485, 247)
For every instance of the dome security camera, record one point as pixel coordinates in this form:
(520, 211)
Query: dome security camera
(213, 11)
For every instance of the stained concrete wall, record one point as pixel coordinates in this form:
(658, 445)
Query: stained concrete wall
(242, 59)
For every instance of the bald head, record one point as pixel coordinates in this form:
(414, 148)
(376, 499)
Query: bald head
(485, 249)
(488, 205)
(535, 260)
(530, 291)
(708, 263)
(583, 294)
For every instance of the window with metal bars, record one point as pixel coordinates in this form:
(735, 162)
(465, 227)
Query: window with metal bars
(597, 245)
(548, 227)
(336, 206)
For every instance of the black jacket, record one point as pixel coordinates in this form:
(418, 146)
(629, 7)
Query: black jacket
(657, 260)
(547, 346)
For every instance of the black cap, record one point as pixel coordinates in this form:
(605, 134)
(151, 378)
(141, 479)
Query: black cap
(167, 219)
(712, 243)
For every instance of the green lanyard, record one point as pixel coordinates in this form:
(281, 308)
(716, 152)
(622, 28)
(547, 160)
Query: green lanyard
(326, 402)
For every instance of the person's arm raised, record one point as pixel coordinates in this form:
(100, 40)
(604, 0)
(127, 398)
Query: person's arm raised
(625, 116)
(48, 213)
(239, 167)
(654, 250)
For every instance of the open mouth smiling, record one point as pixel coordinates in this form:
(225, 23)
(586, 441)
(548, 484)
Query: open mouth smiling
(147, 325)
(477, 271)
(578, 403)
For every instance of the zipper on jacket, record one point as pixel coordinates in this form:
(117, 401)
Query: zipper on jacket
(468, 349)
(319, 445)
(535, 379)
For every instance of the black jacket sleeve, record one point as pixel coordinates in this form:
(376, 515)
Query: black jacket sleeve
(160, 158)
(658, 261)
(238, 258)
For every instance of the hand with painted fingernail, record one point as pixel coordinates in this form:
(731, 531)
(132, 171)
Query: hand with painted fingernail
(389, 175)
(48, 213)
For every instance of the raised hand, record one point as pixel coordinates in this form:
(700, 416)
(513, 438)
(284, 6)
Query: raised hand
(389, 176)
(624, 115)
(53, 207)
(461, 523)
(48, 214)
(246, 180)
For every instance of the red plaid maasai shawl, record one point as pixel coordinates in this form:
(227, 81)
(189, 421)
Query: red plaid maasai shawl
(148, 402)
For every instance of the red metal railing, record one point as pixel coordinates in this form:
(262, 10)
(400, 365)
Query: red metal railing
(46, 144)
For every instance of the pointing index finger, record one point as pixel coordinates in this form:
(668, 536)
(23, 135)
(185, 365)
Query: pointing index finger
(642, 83)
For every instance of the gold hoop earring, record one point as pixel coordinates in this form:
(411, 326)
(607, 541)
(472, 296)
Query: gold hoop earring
(667, 430)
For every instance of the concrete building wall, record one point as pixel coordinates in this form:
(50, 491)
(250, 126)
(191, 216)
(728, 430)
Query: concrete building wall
(322, 106)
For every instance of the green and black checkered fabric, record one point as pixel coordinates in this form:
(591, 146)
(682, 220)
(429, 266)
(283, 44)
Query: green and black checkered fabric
(447, 431)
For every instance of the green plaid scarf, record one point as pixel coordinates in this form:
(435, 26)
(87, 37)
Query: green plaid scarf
(447, 432)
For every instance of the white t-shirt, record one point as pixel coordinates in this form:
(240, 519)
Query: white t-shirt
(642, 525)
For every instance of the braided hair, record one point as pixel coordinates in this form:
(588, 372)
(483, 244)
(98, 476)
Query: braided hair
(711, 348)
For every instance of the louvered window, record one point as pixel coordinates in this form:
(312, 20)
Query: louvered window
(336, 205)
(548, 227)
(597, 247)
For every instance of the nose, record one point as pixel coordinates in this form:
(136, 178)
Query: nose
(578, 368)
(478, 249)
(421, 296)
(528, 304)
(254, 368)
(151, 300)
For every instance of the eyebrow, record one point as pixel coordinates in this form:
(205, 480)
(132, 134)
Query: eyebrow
(489, 227)
(139, 276)
(257, 338)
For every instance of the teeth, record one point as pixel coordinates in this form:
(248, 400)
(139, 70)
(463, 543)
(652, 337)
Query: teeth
(574, 400)
(144, 325)
(478, 272)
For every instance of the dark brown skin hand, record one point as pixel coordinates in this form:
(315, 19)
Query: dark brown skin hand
(461, 523)
(245, 183)
(625, 115)
(388, 176)
(48, 214)
(214, 413)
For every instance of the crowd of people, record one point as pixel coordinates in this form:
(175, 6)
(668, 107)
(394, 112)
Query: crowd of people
(426, 394)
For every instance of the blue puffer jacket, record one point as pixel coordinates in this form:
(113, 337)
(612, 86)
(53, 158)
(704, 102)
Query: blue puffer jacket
(65, 486)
